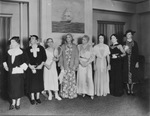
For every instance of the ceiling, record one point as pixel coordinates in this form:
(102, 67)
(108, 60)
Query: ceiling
(132, 1)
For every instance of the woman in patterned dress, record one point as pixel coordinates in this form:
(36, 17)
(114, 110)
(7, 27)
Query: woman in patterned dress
(68, 62)
(102, 66)
(85, 83)
(130, 61)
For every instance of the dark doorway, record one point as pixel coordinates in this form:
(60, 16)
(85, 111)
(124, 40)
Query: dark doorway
(5, 25)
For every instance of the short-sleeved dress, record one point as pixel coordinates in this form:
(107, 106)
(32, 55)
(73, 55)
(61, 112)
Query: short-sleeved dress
(35, 80)
(101, 79)
(17, 61)
(50, 75)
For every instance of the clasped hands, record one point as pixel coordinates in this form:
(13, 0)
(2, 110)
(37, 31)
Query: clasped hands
(84, 63)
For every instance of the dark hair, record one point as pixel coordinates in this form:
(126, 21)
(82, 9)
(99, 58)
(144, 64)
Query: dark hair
(105, 40)
(47, 41)
(114, 35)
(71, 37)
(36, 37)
(87, 37)
(16, 38)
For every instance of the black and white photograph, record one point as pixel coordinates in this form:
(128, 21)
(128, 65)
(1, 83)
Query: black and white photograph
(75, 57)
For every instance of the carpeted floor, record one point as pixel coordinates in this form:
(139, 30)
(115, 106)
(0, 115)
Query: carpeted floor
(137, 105)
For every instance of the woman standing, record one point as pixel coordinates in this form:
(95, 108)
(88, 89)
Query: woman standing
(69, 61)
(37, 57)
(117, 52)
(16, 63)
(102, 65)
(50, 72)
(130, 61)
(84, 76)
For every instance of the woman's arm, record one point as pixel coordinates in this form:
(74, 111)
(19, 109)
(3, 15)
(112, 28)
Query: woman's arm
(122, 50)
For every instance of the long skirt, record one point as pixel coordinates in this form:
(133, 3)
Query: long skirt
(68, 86)
(85, 83)
(116, 81)
(101, 79)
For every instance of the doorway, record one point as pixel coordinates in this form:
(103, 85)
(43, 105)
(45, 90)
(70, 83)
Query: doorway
(111, 27)
(5, 31)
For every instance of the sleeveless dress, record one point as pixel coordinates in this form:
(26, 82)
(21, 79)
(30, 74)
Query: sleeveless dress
(116, 82)
(50, 75)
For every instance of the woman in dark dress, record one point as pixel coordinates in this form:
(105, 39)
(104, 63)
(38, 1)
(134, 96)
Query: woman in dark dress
(37, 57)
(15, 63)
(117, 52)
(130, 61)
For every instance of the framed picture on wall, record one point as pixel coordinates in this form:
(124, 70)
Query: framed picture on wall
(68, 16)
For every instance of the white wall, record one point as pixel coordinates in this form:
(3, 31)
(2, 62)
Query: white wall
(116, 6)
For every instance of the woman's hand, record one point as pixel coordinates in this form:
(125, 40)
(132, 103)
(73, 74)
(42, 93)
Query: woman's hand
(137, 65)
(6, 68)
(109, 67)
(55, 59)
(83, 63)
(95, 67)
(39, 66)
(32, 67)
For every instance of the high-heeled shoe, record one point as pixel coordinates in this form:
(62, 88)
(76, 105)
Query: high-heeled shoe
(32, 102)
(49, 98)
(58, 98)
(11, 107)
(83, 95)
(38, 101)
(128, 92)
(17, 107)
(132, 93)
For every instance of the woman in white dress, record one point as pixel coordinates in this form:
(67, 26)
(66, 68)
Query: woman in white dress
(101, 67)
(50, 71)
(85, 83)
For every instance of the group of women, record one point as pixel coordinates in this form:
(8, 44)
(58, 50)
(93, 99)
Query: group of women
(36, 67)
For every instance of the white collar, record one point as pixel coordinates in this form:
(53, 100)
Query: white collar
(15, 51)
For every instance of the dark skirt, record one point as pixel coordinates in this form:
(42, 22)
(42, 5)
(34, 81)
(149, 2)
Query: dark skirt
(34, 82)
(16, 86)
(116, 82)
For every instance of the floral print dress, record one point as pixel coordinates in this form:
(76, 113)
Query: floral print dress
(68, 86)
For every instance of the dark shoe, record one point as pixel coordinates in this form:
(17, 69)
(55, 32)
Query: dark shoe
(128, 92)
(38, 101)
(11, 107)
(132, 93)
(17, 107)
(32, 102)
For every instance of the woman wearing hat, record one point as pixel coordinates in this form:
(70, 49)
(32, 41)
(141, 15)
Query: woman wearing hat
(37, 58)
(16, 64)
(130, 61)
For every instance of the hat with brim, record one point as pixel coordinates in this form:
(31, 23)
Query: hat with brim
(129, 31)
